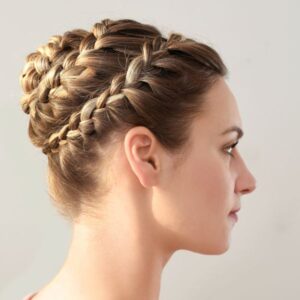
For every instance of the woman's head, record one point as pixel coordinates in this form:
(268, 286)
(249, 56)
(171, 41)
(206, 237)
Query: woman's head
(194, 201)
(88, 93)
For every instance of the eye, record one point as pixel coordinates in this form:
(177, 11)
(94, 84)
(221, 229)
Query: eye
(231, 147)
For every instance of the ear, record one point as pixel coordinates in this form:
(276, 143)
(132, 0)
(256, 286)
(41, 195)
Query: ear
(141, 148)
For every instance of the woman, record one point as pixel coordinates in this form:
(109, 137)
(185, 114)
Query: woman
(139, 131)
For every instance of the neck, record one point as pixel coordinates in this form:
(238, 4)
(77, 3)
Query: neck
(120, 258)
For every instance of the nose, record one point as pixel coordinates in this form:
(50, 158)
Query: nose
(246, 182)
(249, 186)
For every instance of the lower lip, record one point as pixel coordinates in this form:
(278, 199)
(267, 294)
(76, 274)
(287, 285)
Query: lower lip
(233, 216)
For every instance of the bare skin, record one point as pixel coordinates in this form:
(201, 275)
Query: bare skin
(155, 209)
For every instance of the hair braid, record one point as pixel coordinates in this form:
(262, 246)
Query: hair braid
(82, 123)
(41, 78)
(84, 89)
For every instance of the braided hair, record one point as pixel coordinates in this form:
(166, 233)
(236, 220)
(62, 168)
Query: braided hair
(84, 89)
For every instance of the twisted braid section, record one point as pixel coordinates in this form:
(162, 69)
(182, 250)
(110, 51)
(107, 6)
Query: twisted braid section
(60, 79)
(44, 69)
(63, 52)
(45, 75)
(42, 72)
(82, 123)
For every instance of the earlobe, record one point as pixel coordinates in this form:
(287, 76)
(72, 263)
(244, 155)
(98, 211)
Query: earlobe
(141, 154)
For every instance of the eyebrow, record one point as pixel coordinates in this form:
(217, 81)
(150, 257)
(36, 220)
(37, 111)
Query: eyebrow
(239, 131)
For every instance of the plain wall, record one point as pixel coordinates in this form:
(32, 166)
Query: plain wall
(259, 43)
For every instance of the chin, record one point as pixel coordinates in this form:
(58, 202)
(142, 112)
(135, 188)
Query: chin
(210, 249)
(206, 245)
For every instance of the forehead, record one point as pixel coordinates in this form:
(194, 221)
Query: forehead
(221, 106)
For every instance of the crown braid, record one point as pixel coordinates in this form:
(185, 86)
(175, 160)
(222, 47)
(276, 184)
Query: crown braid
(83, 90)
(82, 123)
(50, 64)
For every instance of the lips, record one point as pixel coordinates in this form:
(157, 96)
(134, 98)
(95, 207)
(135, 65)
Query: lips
(233, 216)
(235, 210)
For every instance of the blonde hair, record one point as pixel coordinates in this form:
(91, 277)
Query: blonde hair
(84, 89)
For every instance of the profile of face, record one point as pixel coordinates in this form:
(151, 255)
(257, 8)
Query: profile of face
(183, 205)
(195, 200)
(191, 204)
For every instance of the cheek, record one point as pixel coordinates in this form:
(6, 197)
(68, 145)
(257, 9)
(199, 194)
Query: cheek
(207, 224)
(208, 174)
(208, 188)
(196, 203)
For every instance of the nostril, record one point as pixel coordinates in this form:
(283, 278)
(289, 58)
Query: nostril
(249, 190)
(245, 191)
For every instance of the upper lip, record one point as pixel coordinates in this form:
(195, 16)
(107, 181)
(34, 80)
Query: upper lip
(235, 210)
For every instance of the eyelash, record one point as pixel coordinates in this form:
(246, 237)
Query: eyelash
(231, 146)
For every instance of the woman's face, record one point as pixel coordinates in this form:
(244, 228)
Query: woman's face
(194, 201)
